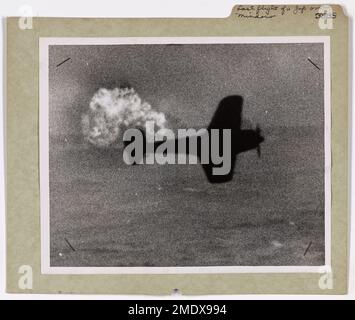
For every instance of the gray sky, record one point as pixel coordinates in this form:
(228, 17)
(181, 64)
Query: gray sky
(279, 85)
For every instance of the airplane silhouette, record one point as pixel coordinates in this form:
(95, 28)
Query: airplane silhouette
(227, 116)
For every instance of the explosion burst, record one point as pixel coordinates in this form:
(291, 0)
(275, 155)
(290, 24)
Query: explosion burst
(111, 112)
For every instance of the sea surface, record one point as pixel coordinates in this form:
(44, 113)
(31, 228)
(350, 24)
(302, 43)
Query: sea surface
(105, 213)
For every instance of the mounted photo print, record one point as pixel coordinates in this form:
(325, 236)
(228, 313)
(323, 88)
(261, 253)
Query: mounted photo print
(207, 156)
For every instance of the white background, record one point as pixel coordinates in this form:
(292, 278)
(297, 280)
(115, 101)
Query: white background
(141, 8)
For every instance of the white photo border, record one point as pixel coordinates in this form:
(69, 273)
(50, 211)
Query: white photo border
(45, 42)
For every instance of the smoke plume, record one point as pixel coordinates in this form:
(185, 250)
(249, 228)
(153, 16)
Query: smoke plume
(111, 112)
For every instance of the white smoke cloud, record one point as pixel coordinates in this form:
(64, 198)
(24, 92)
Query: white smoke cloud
(111, 112)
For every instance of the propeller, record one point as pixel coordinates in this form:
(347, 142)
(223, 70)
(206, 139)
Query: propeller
(257, 129)
(258, 132)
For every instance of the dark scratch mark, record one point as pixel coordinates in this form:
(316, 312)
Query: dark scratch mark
(69, 244)
(63, 62)
(176, 291)
(307, 248)
(313, 63)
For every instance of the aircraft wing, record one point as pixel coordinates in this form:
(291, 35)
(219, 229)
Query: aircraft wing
(228, 114)
(208, 168)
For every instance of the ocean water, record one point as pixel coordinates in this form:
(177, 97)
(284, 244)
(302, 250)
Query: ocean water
(113, 214)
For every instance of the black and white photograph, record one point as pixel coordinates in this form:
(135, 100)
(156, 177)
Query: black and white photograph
(168, 155)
